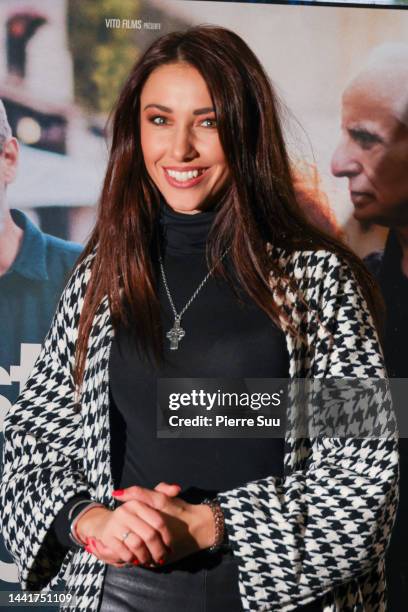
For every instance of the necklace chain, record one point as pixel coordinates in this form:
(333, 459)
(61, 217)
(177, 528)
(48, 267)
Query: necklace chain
(177, 333)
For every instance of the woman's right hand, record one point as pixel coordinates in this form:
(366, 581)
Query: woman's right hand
(149, 539)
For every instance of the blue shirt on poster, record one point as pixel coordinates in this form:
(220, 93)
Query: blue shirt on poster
(29, 293)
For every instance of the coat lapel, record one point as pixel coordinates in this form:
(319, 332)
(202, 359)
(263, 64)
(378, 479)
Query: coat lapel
(95, 402)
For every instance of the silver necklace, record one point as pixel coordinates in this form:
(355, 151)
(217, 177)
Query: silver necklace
(176, 333)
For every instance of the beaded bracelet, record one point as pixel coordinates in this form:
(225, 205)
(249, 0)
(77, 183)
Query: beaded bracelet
(219, 524)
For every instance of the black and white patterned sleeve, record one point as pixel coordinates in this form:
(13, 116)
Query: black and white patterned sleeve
(328, 521)
(42, 454)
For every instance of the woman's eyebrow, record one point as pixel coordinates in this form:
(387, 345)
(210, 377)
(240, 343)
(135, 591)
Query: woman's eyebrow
(166, 109)
(203, 111)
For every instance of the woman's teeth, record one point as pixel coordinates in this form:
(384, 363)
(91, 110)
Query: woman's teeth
(184, 176)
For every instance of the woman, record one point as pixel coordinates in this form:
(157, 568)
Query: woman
(201, 265)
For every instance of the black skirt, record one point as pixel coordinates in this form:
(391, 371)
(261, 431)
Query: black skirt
(199, 583)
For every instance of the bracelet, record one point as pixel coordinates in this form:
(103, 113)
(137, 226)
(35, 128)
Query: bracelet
(72, 530)
(219, 524)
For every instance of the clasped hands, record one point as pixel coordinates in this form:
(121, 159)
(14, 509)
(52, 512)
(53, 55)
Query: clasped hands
(161, 527)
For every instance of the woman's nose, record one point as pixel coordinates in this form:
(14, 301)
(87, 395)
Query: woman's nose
(182, 144)
(343, 162)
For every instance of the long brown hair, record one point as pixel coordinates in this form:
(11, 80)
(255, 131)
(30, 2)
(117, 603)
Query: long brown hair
(259, 204)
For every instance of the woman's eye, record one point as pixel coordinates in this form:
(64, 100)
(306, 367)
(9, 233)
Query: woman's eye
(209, 123)
(158, 120)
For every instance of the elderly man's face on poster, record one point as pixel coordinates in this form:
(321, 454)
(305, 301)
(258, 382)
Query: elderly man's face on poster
(373, 151)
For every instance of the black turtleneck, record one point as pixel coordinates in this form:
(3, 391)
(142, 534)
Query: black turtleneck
(225, 338)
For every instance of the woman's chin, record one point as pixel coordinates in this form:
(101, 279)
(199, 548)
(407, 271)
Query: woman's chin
(188, 208)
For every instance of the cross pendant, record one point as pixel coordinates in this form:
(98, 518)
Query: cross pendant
(175, 335)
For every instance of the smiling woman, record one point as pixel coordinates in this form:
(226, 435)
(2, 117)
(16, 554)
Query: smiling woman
(200, 228)
(180, 141)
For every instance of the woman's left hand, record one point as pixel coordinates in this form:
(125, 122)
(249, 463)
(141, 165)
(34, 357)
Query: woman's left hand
(191, 525)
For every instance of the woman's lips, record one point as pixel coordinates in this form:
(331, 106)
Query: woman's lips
(185, 183)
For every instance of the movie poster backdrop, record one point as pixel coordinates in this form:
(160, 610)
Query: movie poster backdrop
(62, 63)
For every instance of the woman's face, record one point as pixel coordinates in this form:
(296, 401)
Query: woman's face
(179, 137)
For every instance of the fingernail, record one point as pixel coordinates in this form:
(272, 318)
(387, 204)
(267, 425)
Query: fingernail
(118, 492)
(161, 561)
(88, 549)
(136, 562)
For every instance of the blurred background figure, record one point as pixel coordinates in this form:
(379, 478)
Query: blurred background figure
(34, 268)
(373, 155)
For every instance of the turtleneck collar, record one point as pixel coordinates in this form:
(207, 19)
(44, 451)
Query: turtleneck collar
(184, 234)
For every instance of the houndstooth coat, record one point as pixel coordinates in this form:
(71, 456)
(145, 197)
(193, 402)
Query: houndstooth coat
(320, 530)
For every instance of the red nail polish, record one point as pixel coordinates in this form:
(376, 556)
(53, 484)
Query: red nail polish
(136, 562)
(88, 549)
(161, 561)
(118, 492)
